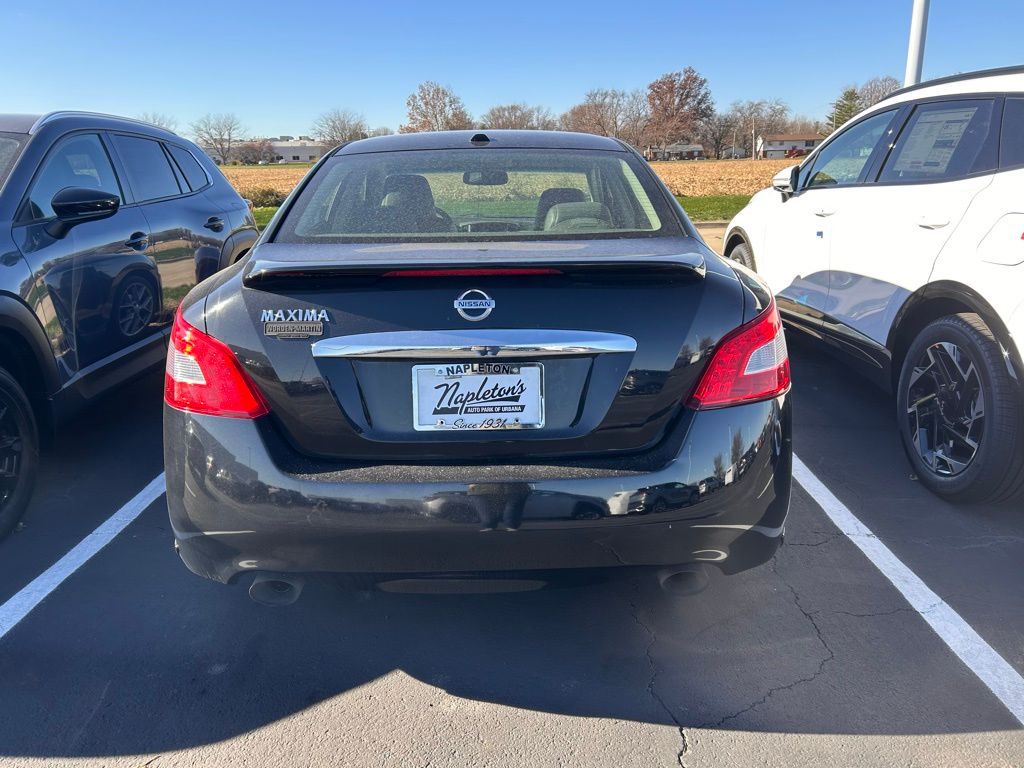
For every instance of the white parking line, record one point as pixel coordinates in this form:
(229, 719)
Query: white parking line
(991, 668)
(980, 657)
(21, 604)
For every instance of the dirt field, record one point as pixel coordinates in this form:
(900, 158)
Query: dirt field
(690, 178)
(719, 177)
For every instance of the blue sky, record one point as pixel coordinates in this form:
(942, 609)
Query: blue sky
(278, 65)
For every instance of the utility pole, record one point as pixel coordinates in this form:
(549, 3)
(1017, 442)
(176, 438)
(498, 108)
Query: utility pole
(915, 47)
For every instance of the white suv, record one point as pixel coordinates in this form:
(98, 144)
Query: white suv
(900, 242)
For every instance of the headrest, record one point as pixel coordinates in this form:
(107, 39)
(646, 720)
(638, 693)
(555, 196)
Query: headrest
(407, 189)
(578, 216)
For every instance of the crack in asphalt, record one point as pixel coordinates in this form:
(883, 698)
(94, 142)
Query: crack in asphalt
(829, 656)
(829, 538)
(890, 612)
(652, 690)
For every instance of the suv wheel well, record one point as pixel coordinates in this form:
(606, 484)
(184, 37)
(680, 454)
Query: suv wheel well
(915, 321)
(733, 241)
(21, 364)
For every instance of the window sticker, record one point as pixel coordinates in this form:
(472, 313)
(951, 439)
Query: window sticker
(933, 140)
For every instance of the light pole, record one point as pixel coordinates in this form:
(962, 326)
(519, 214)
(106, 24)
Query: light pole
(915, 47)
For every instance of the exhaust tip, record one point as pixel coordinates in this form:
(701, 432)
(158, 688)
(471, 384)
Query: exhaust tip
(275, 590)
(689, 580)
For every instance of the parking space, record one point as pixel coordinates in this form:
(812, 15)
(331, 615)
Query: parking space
(815, 659)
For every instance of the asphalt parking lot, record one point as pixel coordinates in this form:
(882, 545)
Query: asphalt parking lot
(813, 660)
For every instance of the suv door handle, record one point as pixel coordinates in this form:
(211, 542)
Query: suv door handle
(926, 222)
(215, 223)
(138, 240)
(823, 212)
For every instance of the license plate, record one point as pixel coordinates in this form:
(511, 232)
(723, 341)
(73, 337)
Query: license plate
(468, 396)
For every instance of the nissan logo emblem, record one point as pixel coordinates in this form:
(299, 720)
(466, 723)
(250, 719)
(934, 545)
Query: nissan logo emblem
(474, 305)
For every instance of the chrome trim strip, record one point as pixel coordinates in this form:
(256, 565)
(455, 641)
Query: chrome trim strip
(474, 343)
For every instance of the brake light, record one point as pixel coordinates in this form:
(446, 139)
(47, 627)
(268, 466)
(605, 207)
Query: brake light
(474, 272)
(204, 376)
(749, 364)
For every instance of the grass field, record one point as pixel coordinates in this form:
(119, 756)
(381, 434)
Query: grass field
(709, 190)
(713, 207)
(263, 216)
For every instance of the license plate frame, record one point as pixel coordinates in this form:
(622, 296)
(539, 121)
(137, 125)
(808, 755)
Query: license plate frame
(489, 415)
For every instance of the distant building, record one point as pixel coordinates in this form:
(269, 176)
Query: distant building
(733, 153)
(787, 144)
(676, 152)
(286, 149)
(301, 150)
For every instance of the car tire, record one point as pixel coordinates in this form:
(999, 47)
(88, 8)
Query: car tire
(742, 254)
(953, 379)
(19, 452)
(135, 306)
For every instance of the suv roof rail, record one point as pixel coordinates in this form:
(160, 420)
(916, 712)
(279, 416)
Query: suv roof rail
(1017, 69)
(82, 113)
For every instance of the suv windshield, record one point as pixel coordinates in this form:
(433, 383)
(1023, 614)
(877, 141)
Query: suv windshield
(479, 194)
(10, 146)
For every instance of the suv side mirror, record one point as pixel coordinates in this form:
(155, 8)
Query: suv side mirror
(785, 181)
(74, 205)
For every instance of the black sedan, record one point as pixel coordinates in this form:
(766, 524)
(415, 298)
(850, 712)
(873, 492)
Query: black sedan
(466, 360)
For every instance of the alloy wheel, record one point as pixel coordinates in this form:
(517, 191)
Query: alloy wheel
(135, 309)
(11, 446)
(946, 408)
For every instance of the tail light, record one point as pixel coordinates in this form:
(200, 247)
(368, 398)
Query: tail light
(204, 376)
(749, 364)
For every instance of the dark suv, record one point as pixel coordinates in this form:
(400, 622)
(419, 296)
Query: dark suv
(105, 224)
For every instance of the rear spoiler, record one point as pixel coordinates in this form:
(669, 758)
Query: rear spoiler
(261, 272)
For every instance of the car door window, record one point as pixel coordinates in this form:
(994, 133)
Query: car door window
(843, 160)
(1011, 145)
(78, 161)
(149, 171)
(942, 141)
(190, 167)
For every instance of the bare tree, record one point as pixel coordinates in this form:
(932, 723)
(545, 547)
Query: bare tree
(678, 101)
(218, 134)
(255, 151)
(804, 124)
(716, 132)
(761, 117)
(579, 118)
(338, 126)
(433, 107)
(636, 118)
(719, 467)
(603, 111)
(736, 450)
(876, 89)
(518, 117)
(380, 131)
(160, 120)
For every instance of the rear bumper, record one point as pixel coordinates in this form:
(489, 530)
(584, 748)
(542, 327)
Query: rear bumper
(233, 508)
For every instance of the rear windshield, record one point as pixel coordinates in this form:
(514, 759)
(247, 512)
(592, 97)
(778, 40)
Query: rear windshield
(10, 146)
(478, 194)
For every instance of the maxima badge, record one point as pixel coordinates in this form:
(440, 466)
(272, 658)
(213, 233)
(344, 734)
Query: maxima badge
(293, 323)
(474, 305)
